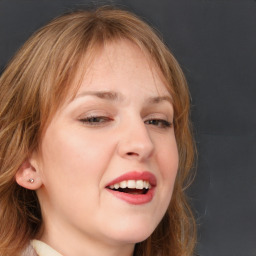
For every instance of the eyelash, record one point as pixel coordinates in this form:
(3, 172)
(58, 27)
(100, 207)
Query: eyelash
(159, 123)
(95, 120)
(101, 120)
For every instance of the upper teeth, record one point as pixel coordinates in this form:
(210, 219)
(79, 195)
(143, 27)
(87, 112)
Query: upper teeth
(138, 184)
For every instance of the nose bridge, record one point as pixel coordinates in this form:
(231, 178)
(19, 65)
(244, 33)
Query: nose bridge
(135, 140)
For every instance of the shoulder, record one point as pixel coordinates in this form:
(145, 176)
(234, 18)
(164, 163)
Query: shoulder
(29, 251)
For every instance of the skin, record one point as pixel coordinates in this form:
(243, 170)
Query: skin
(80, 156)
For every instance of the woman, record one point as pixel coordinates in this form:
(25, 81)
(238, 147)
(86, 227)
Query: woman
(95, 142)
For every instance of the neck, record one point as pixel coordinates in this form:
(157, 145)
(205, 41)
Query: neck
(69, 243)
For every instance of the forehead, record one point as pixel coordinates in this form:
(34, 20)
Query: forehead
(107, 67)
(117, 63)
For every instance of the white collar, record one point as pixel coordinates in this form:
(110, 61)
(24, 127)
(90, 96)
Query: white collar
(43, 249)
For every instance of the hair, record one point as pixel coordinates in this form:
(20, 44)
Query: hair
(33, 87)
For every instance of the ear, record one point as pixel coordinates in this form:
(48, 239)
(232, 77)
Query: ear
(28, 176)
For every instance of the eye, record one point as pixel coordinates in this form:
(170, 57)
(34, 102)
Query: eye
(95, 120)
(159, 123)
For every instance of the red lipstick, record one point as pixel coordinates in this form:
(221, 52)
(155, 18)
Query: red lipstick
(135, 176)
(131, 195)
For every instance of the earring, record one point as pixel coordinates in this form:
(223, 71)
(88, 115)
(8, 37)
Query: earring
(31, 180)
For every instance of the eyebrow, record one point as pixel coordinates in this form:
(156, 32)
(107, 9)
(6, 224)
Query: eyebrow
(106, 95)
(154, 100)
(115, 96)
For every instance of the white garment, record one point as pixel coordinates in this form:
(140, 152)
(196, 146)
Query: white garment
(43, 249)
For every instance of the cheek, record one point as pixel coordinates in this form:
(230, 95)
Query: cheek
(71, 171)
(71, 157)
(168, 159)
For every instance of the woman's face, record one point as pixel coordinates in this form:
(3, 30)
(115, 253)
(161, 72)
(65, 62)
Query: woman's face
(116, 132)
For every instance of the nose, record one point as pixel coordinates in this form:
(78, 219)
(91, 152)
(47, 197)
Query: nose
(135, 141)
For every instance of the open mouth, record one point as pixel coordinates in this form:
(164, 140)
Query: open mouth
(134, 187)
(132, 191)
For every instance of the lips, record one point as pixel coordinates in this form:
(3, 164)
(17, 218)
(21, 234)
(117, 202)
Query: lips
(134, 187)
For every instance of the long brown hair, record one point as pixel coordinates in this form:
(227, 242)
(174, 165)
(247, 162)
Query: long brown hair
(33, 87)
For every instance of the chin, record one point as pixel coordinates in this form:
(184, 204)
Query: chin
(132, 235)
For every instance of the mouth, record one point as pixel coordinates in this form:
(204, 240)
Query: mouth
(134, 187)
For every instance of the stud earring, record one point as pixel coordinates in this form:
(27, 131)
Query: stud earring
(31, 180)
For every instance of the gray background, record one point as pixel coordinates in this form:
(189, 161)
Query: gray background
(214, 41)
